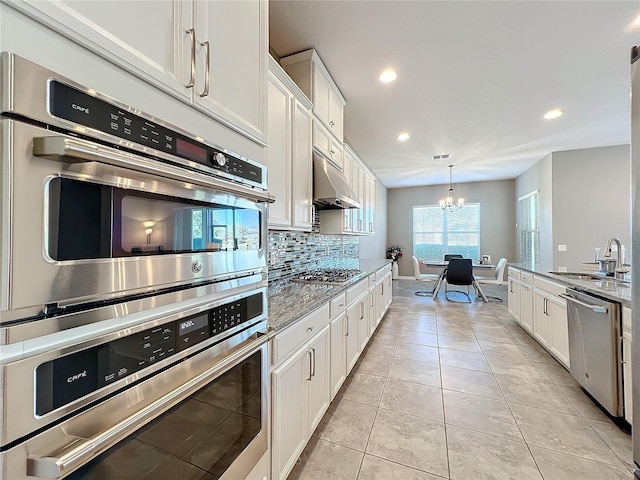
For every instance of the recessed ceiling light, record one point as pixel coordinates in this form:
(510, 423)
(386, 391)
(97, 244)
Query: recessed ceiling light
(443, 156)
(551, 114)
(403, 137)
(388, 76)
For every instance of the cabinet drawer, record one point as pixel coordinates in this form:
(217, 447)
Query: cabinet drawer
(337, 305)
(548, 286)
(526, 277)
(372, 279)
(513, 273)
(356, 290)
(299, 333)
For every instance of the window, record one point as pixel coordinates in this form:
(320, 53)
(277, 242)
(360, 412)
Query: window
(436, 232)
(529, 229)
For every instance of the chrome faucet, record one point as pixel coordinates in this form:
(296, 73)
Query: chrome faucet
(607, 253)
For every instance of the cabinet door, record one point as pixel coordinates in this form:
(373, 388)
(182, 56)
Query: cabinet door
(158, 53)
(290, 412)
(388, 291)
(526, 306)
(321, 138)
(514, 298)
(321, 89)
(353, 342)
(319, 385)
(560, 333)
(336, 153)
(357, 187)
(279, 154)
(338, 353)
(542, 320)
(371, 205)
(335, 115)
(363, 321)
(236, 54)
(373, 321)
(302, 186)
(627, 379)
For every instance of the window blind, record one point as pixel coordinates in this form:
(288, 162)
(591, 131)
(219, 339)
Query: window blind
(529, 229)
(436, 232)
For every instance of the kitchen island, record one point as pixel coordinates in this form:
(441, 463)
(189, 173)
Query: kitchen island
(537, 302)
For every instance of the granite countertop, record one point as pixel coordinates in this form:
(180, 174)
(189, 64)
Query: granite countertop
(615, 290)
(290, 301)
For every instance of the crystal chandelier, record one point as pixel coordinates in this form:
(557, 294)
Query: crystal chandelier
(450, 204)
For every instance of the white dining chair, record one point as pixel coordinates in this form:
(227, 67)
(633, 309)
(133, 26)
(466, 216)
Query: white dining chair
(423, 277)
(498, 278)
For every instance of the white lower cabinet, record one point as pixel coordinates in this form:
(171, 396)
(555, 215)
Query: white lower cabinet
(627, 379)
(550, 323)
(514, 296)
(300, 392)
(526, 306)
(312, 359)
(352, 338)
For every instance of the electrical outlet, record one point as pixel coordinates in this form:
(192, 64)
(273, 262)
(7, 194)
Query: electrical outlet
(562, 248)
(272, 258)
(562, 269)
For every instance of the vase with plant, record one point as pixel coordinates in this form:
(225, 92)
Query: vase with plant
(394, 252)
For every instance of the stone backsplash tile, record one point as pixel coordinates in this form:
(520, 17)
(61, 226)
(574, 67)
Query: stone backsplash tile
(292, 253)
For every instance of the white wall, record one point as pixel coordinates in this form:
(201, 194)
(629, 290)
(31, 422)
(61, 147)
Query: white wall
(591, 202)
(497, 216)
(538, 177)
(585, 198)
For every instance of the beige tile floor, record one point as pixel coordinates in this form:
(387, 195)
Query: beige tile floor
(460, 391)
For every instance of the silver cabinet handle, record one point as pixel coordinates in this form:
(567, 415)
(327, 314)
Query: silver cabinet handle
(310, 362)
(76, 150)
(593, 308)
(80, 450)
(192, 76)
(361, 310)
(331, 123)
(346, 321)
(313, 370)
(207, 68)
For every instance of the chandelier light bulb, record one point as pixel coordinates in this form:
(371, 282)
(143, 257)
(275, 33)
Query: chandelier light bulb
(449, 203)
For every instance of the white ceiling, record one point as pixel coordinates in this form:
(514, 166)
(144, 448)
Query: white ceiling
(474, 79)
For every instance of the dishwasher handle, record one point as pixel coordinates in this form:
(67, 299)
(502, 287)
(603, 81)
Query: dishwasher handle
(594, 308)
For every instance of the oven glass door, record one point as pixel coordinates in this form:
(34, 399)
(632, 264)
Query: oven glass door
(200, 438)
(90, 221)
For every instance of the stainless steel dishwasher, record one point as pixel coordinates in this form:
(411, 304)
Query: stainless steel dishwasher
(594, 347)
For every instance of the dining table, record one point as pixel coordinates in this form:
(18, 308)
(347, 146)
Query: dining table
(443, 264)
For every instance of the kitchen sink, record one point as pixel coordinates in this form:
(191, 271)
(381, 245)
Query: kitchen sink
(579, 276)
(590, 277)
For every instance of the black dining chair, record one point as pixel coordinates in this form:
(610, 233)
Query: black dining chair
(449, 256)
(459, 272)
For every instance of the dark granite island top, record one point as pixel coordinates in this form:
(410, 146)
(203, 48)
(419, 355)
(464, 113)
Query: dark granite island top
(290, 301)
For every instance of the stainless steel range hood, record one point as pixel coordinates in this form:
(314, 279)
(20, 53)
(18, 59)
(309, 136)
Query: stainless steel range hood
(330, 187)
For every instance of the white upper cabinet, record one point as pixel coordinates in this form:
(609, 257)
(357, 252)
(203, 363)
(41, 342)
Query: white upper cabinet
(232, 61)
(308, 71)
(279, 153)
(289, 153)
(217, 63)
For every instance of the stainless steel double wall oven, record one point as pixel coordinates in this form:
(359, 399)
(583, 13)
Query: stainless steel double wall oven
(133, 276)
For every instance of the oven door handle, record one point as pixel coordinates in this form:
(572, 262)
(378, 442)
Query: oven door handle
(77, 150)
(77, 450)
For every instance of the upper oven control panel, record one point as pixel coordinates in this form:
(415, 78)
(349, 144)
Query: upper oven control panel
(74, 105)
(66, 379)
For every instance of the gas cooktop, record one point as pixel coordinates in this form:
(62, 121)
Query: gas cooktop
(329, 276)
